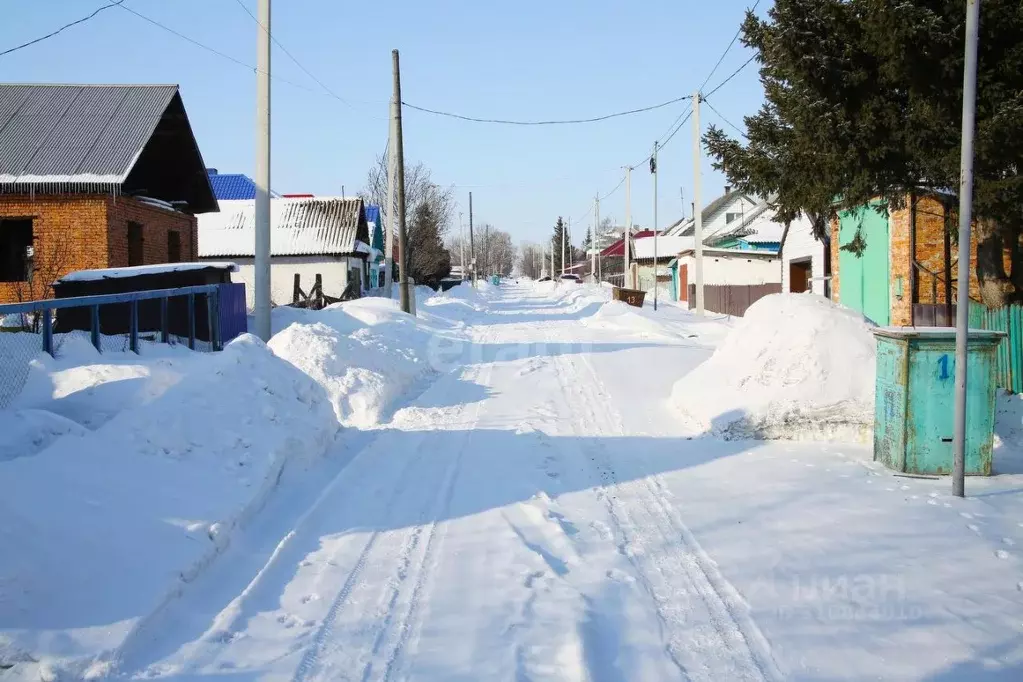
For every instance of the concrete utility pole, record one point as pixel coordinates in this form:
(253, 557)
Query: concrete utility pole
(564, 235)
(552, 259)
(392, 221)
(472, 244)
(653, 169)
(593, 237)
(965, 217)
(697, 211)
(399, 151)
(461, 244)
(627, 237)
(262, 208)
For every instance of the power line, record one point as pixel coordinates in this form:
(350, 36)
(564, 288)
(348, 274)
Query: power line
(291, 56)
(734, 74)
(721, 116)
(723, 54)
(211, 50)
(546, 123)
(40, 39)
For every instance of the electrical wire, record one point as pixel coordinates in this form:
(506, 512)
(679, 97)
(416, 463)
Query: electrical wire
(721, 116)
(734, 74)
(212, 50)
(291, 56)
(549, 122)
(62, 28)
(723, 54)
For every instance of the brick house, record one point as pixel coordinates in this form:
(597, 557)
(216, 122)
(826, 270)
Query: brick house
(95, 176)
(899, 267)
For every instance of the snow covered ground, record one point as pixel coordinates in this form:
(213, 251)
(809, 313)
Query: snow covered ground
(511, 495)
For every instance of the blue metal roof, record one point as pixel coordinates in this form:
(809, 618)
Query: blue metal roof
(229, 186)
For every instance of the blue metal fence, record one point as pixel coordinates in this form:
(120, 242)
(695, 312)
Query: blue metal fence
(117, 322)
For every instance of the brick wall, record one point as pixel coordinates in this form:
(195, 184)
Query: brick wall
(81, 232)
(930, 252)
(69, 233)
(834, 260)
(156, 223)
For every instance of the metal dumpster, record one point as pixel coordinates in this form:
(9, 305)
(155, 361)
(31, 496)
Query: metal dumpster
(633, 297)
(914, 399)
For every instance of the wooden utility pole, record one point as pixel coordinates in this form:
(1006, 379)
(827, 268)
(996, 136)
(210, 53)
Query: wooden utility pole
(399, 157)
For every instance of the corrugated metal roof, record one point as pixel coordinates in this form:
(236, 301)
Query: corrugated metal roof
(232, 186)
(76, 133)
(298, 227)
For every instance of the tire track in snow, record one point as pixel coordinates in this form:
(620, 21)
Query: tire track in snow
(729, 613)
(419, 569)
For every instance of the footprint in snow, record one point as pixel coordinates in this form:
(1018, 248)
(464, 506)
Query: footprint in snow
(1002, 554)
(1008, 541)
(966, 515)
(973, 527)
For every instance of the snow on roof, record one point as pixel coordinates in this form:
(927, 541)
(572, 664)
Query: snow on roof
(618, 247)
(138, 270)
(298, 227)
(667, 246)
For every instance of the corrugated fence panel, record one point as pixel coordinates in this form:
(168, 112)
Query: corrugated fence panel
(1009, 358)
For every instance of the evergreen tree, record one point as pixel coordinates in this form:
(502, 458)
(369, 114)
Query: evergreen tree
(864, 100)
(556, 238)
(429, 261)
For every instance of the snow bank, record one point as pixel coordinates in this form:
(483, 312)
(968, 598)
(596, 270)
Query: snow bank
(108, 524)
(620, 316)
(796, 366)
(366, 355)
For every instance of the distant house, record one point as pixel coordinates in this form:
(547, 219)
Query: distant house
(721, 216)
(95, 176)
(665, 248)
(326, 236)
(806, 262)
(374, 223)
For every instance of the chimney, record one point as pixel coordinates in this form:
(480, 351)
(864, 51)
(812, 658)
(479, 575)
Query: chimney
(728, 188)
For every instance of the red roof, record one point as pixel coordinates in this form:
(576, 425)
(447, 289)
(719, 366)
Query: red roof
(618, 248)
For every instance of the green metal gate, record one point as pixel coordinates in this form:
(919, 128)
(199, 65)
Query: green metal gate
(864, 272)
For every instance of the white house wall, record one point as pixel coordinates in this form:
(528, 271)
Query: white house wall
(282, 276)
(721, 270)
(799, 245)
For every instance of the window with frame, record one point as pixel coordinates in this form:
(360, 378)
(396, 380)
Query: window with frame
(173, 246)
(136, 244)
(729, 217)
(15, 243)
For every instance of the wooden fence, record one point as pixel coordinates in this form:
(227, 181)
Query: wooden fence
(732, 299)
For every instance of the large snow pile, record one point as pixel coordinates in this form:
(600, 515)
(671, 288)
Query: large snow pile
(620, 316)
(366, 354)
(101, 527)
(797, 366)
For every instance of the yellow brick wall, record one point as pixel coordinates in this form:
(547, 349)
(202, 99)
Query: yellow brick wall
(69, 233)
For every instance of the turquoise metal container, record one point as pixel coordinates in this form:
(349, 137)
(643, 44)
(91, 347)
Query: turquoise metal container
(914, 399)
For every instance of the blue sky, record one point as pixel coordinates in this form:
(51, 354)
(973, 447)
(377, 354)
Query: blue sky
(529, 59)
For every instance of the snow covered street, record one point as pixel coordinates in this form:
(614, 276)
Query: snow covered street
(539, 511)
